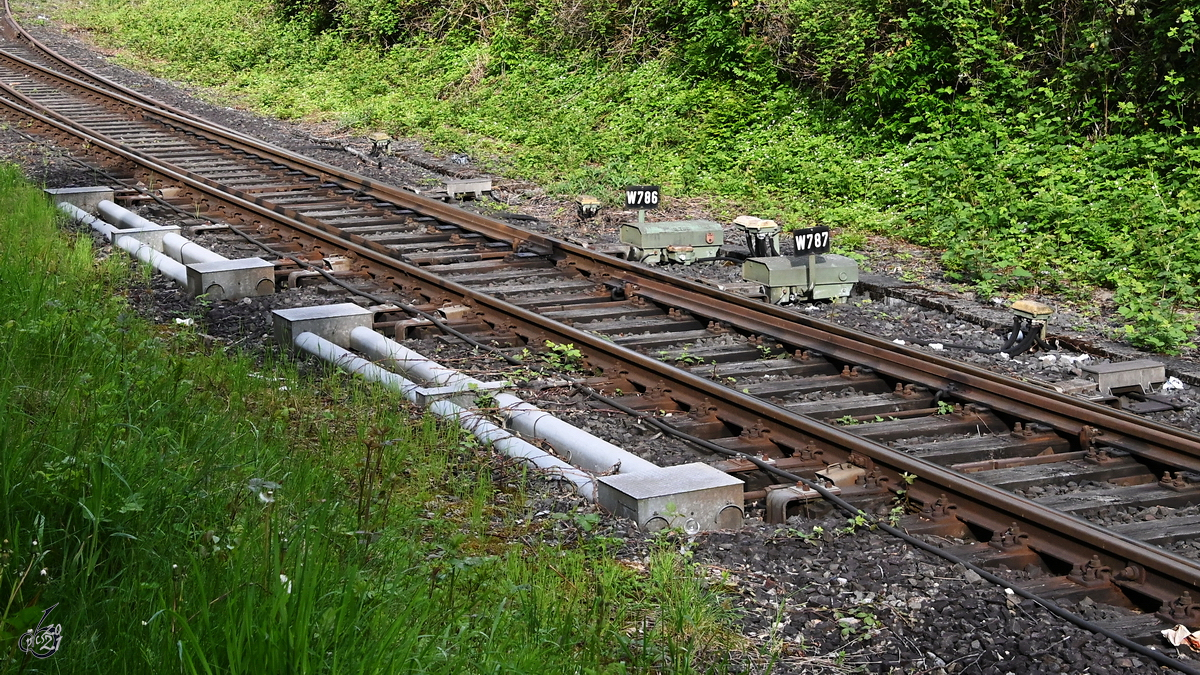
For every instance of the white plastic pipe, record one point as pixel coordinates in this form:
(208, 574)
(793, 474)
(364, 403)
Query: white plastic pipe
(505, 442)
(123, 218)
(578, 446)
(478, 425)
(581, 448)
(79, 215)
(144, 252)
(187, 251)
(180, 248)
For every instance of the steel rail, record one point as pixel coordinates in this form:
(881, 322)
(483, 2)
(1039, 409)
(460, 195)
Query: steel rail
(17, 30)
(1061, 536)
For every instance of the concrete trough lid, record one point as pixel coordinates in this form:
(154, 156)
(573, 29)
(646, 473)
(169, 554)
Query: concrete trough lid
(331, 322)
(460, 394)
(464, 186)
(231, 279)
(695, 497)
(671, 480)
(1143, 373)
(150, 236)
(86, 198)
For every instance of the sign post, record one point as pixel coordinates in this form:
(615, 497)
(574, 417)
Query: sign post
(642, 198)
(811, 241)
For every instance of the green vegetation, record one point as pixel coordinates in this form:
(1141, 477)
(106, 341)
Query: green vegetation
(1044, 146)
(190, 510)
(563, 357)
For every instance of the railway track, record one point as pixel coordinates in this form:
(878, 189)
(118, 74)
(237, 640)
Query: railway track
(798, 394)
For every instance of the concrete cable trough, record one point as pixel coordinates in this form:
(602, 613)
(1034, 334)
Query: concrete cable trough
(693, 496)
(197, 269)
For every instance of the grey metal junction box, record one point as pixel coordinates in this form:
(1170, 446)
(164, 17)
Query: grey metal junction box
(682, 241)
(787, 279)
(694, 497)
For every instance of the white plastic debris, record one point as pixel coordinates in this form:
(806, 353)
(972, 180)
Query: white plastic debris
(1173, 383)
(1011, 598)
(936, 346)
(898, 341)
(1004, 356)
(185, 322)
(1180, 635)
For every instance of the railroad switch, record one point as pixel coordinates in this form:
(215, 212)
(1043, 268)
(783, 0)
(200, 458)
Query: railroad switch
(680, 241)
(762, 236)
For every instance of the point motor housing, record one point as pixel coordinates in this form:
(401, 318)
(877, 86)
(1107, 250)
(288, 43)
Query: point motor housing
(786, 279)
(681, 241)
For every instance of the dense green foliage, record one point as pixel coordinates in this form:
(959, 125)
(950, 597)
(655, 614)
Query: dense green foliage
(910, 63)
(1043, 146)
(191, 511)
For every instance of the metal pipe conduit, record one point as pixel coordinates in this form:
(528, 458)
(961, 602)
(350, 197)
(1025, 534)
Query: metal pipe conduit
(482, 428)
(180, 248)
(143, 252)
(578, 446)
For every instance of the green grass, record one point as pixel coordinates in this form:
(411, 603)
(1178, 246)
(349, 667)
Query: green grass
(1020, 200)
(195, 510)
